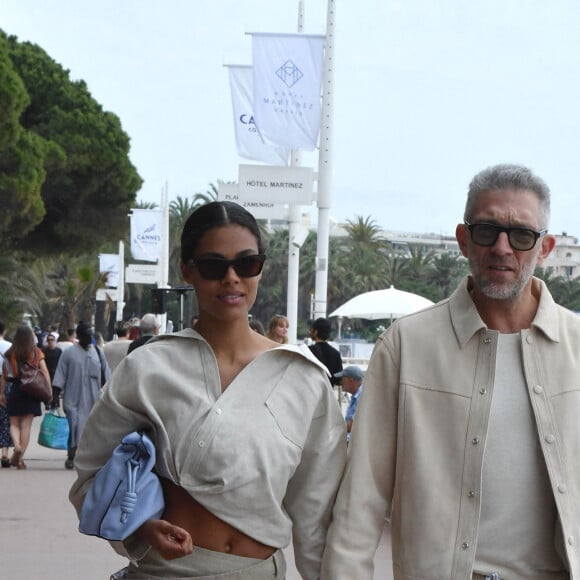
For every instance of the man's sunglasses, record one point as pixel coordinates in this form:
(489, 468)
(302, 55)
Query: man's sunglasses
(217, 268)
(522, 239)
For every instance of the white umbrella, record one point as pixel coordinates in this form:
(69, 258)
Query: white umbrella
(381, 304)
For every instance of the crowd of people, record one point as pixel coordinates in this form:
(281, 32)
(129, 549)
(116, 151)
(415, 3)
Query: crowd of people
(463, 438)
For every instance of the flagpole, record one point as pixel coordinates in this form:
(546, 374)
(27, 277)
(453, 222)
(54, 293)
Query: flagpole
(293, 227)
(163, 264)
(121, 283)
(325, 169)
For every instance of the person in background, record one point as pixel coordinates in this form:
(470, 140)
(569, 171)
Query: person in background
(51, 356)
(351, 381)
(278, 329)
(5, 439)
(148, 328)
(257, 326)
(250, 442)
(67, 340)
(467, 430)
(116, 350)
(21, 407)
(324, 352)
(81, 372)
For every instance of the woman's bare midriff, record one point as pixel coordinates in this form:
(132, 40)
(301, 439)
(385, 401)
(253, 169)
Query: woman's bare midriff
(206, 530)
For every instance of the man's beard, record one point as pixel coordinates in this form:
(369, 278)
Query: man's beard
(503, 291)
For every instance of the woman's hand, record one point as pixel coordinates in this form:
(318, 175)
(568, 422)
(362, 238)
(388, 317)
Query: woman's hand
(169, 540)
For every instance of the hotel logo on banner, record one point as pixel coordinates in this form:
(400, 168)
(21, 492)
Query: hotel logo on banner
(278, 185)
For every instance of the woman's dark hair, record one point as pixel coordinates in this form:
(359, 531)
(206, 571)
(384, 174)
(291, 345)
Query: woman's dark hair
(23, 343)
(214, 215)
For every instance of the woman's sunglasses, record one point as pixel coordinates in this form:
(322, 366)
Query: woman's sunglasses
(217, 268)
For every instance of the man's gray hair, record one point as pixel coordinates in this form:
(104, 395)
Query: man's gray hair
(148, 324)
(508, 176)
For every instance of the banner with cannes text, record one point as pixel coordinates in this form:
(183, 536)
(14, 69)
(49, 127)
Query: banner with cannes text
(249, 143)
(146, 234)
(288, 88)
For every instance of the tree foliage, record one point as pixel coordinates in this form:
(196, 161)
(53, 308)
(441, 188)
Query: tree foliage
(67, 167)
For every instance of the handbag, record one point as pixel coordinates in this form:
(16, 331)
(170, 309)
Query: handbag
(34, 382)
(125, 493)
(54, 430)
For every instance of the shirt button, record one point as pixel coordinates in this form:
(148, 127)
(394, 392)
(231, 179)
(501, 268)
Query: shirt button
(465, 545)
(562, 488)
(201, 444)
(482, 391)
(218, 411)
(571, 540)
(475, 440)
(549, 438)
(470, 493)
(529, 339)
(487, 340)
(538, 390)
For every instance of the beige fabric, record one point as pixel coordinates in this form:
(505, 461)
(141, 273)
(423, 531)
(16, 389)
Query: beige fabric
(514, 540)
(417, 446)
(204, 564)
(266, 455)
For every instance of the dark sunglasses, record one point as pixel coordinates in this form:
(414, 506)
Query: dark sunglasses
(217, 268)
(522, 239)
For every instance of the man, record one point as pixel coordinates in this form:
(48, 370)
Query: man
(4, 344)
(351, 382)
(324, 352)
(116, 350)
(68, 340)
(81, 372)
(51, 357)
(467, 431)
(148, 328)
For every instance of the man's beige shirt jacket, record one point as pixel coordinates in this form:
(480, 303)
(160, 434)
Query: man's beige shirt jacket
(418, 442)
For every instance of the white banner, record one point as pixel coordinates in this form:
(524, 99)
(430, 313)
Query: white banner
(146, 234)
(288, 88)
(249, 144)
(110, 263)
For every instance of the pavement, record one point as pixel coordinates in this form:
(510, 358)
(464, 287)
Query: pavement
(39, 538)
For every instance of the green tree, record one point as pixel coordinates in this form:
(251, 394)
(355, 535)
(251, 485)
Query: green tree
(90, 182)
(22, 156)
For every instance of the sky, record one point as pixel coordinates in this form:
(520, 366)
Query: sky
(427, 93)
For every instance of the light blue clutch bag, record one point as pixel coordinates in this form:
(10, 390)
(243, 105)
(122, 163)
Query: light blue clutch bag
(125, 492)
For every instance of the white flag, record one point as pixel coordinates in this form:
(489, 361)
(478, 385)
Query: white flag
(110, 263)
(146, 234)
(287, 88)
(248, 141)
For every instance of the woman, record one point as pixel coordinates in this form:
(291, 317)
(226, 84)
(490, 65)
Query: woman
(278, 329)
(250, 440)
(21, 407)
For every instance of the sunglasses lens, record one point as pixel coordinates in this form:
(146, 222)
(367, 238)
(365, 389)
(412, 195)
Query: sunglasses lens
(249, 266)
(522, 239)
(212, 268)
(484, 235)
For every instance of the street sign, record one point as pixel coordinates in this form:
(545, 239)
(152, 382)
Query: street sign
(142, 274)
(276, 184)
(261, 210)
(104, 294)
